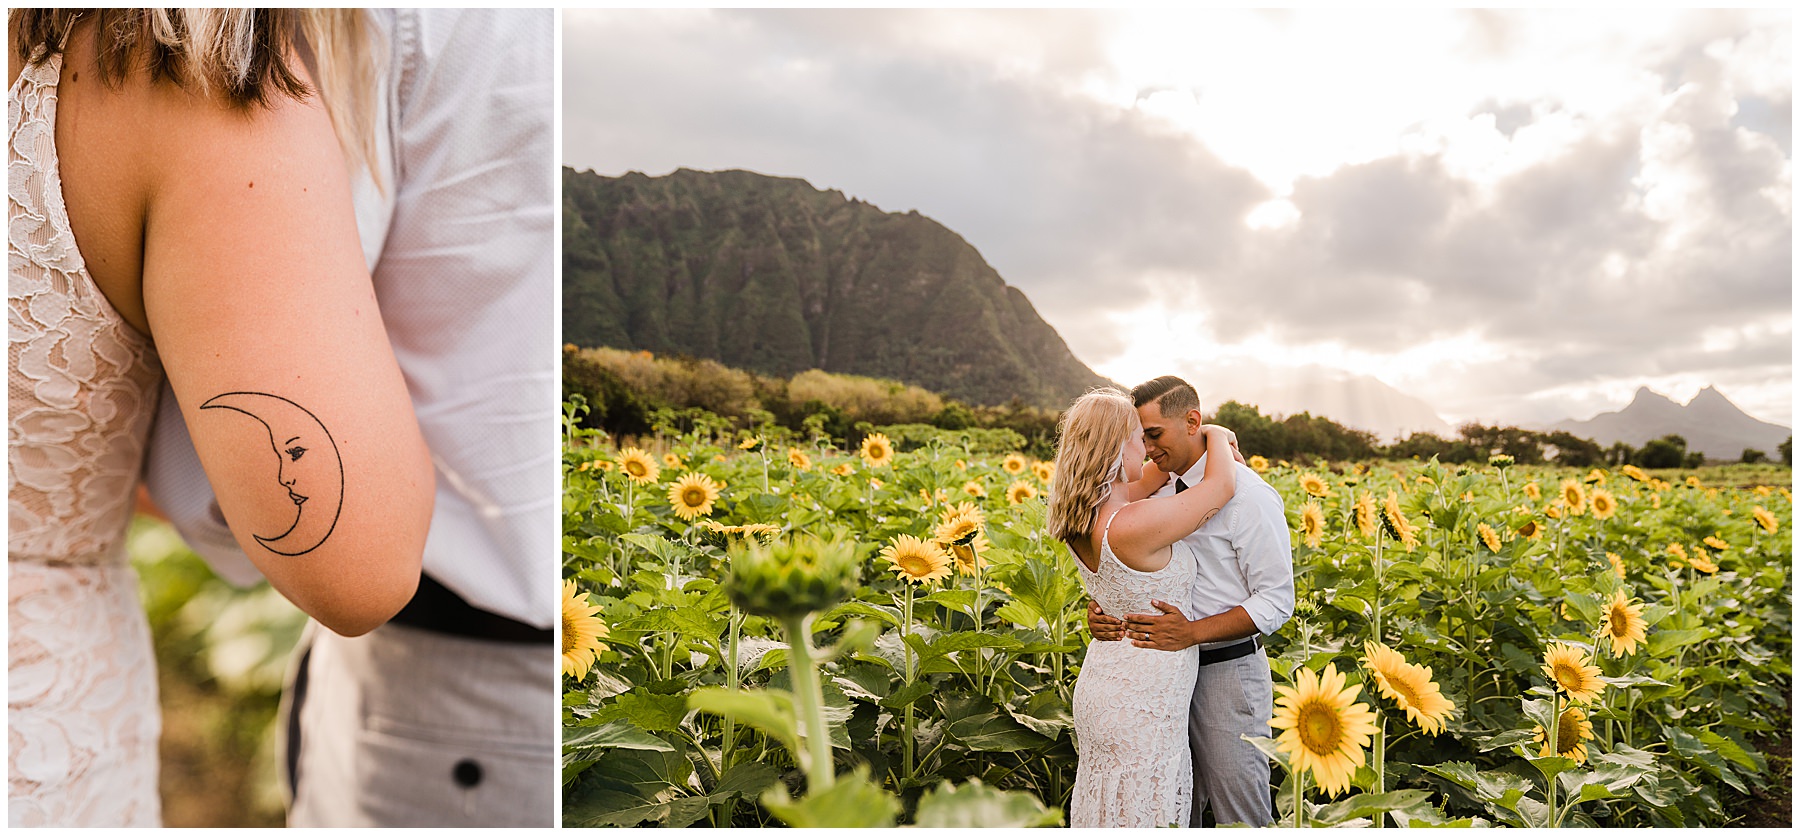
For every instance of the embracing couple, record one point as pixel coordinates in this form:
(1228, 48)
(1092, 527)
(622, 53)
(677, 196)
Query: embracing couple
(1187, 562)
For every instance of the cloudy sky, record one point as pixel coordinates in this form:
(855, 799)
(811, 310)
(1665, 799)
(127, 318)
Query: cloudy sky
(1514, 216)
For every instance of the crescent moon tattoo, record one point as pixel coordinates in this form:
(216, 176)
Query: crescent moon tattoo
(308, 467)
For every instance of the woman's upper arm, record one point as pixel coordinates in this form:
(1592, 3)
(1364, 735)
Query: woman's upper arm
(1157, 522)
(262, 310)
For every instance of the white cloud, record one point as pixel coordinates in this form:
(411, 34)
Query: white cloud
(1513, 215)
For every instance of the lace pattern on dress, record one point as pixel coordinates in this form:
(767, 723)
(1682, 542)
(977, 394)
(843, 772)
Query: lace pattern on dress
(1133, 768)
(83, 382)
(82, 713)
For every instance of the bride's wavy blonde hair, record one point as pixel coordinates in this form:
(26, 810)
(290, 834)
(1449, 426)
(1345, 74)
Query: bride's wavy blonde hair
(1090, 441)
(246, 57)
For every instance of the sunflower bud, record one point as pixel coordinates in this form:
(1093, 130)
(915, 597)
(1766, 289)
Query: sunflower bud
(1500, 460)
(791, 579)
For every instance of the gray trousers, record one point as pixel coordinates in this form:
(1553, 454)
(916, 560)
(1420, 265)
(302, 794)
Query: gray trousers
(405, 727)
(1231, 698)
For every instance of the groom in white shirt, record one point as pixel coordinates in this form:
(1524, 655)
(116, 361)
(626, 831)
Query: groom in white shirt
(447, 715)
(1244, 591)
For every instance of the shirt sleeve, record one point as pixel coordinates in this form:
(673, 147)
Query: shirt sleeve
(1264, 553)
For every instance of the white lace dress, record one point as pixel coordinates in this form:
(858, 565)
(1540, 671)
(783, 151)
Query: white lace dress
(1131, 704)
(82, 714)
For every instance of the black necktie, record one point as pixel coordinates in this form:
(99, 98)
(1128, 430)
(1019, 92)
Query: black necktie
(1180, 485)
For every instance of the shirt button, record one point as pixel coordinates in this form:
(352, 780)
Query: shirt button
(467, 773)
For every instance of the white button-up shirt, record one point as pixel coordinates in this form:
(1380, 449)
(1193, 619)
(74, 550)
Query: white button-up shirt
(461, 244)
(1244, 553)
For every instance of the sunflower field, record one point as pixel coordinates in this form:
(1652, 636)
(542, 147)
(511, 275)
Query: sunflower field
(760, 629)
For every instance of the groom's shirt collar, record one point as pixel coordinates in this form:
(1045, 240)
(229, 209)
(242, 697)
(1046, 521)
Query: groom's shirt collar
(1193, 474)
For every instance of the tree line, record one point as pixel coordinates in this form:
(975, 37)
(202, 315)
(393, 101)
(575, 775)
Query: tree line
(630, 393)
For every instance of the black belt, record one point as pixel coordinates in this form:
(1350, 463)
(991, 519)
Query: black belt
(1229, 652)
(434, 607)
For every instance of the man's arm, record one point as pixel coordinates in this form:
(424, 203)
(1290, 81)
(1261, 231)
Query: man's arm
(1260, 539)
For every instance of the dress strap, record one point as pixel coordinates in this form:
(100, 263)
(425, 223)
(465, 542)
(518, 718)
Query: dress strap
(1107, 531)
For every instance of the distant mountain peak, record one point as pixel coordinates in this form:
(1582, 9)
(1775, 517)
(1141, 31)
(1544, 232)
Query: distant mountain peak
(1709, 422)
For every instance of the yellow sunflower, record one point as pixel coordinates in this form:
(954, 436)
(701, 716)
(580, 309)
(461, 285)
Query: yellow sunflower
(1716, 544)
(1409, 686)
(1554, 511)
(877, 450)
(749, 443)
(1396, 523)
(638, 465)
(1020, 491)
(1574, 497)
(917, 560)
(692, 495)
(1596, 476)
(1618, 566)
(1700, 561)
(1365, 514)
(1624, 624)
(876, 483)
(1762, 490)
(1044, 471)
(962, 465)
(1573, 672)
(1532, 490)
(1489, 537)
(671, 460)
(1635, 473)
(1765, 519)
(582, 631)
(1677, 550)
(1531, 530)
(974, 488)
(1313, 485)
(763, 530)
(1014, 464)
(1656, 501)
(1324, 728)
(968, 556)
(1693, 481)
(1604, 504)
(1573, 730)
(1312, 524)
(799, 459)
(959, 524)
(843, 469)
(1259, 464)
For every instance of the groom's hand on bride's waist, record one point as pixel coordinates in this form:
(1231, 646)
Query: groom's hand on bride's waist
(1167, 629)
(1103, 627)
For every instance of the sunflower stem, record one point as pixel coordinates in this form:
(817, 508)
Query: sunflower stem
(736, 620)
(906, 742)
(1381, 765)
(805, 674)
(1380, 535)
(1555, 751)
(1299, 798)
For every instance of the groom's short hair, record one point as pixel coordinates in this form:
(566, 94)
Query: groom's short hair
(1173, 396)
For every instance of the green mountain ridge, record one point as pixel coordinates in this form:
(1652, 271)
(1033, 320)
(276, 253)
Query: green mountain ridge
(772, 275)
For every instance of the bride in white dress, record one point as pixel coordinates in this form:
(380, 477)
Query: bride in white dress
(1131, 703)
(178, 202)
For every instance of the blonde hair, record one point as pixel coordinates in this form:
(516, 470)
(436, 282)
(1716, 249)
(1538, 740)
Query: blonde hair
(1089, 457)
(244, 56)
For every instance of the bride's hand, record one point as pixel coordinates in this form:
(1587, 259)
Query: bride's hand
(1230, 439)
